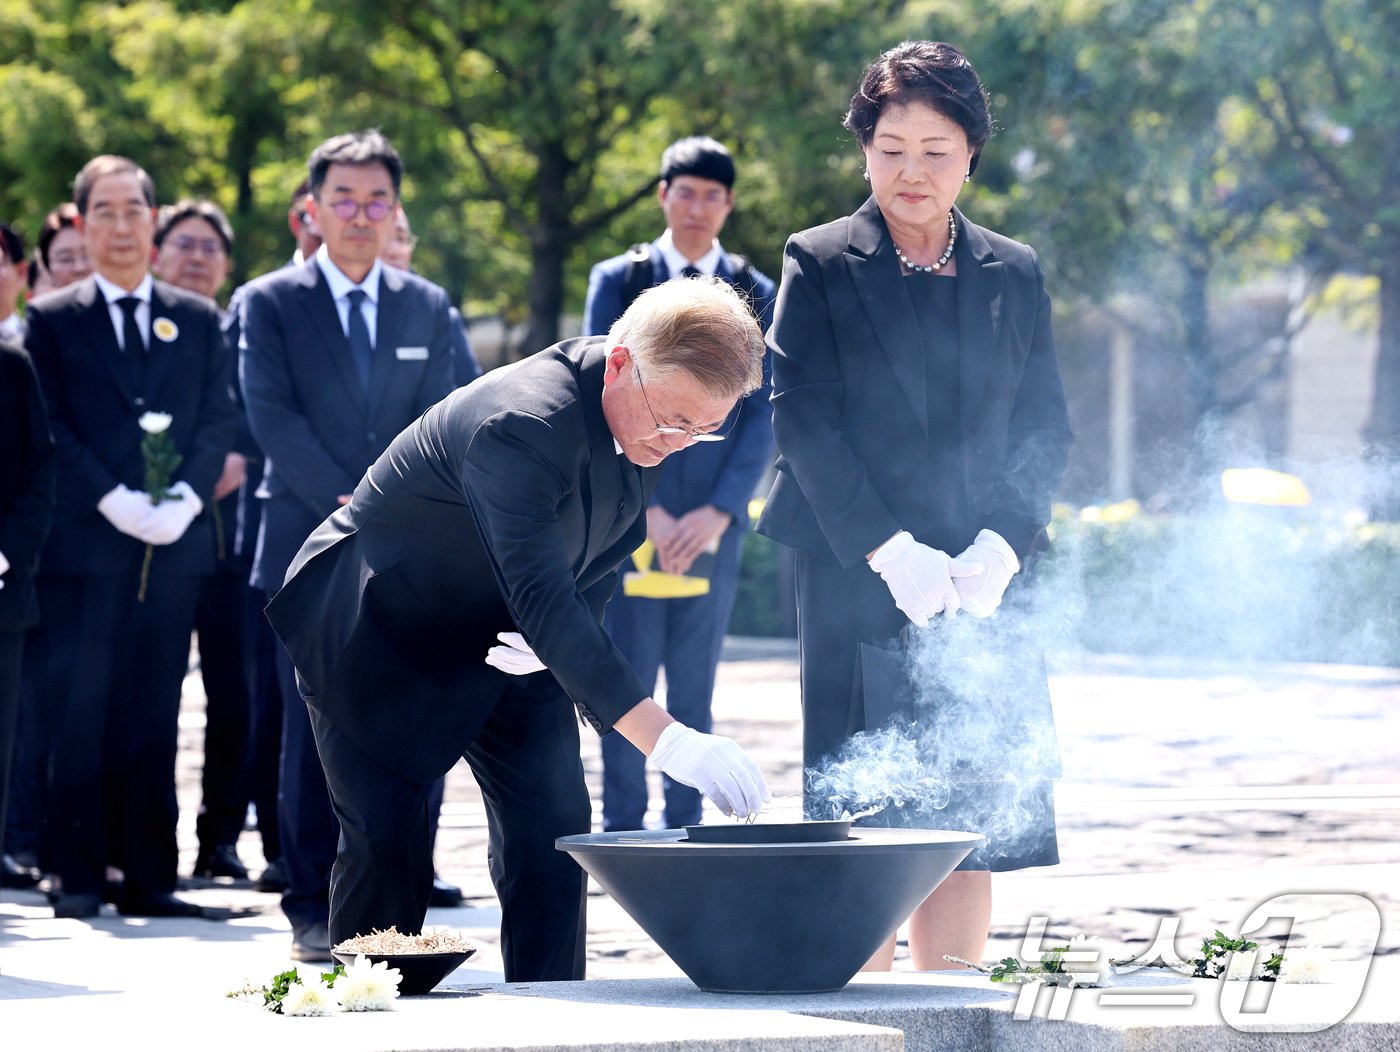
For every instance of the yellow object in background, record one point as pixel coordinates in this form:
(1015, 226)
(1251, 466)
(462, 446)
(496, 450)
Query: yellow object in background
(1263, 486)
(646, 583)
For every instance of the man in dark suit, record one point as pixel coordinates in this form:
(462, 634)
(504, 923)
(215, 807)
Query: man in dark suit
(700, 509)
(338, 356)
(503, 513)
(26, 508)
(119, 575)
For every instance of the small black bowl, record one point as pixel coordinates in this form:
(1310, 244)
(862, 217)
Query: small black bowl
(419, 972)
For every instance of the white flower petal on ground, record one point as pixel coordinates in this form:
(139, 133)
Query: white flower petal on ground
(1308, 964)
(155, 423)
(310, 998)
(367, 987)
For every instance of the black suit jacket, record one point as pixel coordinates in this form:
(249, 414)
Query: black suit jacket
(94, 406)
(26, 485)
(850, 395)
(505, 506)
(317, 427)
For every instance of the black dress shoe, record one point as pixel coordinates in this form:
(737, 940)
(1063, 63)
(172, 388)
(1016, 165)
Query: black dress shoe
(445, 895)
(80, 906)
(273, 878)
(311, 943)
(13, 875)
(158, 905)
(221, 860)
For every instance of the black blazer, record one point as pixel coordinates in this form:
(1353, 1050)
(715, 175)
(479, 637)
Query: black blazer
(94, 406)
(309, 414)
(27, 485)
(850, 401)
(505, 506)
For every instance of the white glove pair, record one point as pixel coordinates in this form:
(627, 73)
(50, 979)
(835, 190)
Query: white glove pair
(132, 512)
(714, 765)
(926, 582)
(515, 658)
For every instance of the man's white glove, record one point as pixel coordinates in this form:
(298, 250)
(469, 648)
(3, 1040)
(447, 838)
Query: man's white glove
(981, 595)
(125, 509)
(4, 567)
(714, 765)
(516, 657)
(920, 578)
(168, 520)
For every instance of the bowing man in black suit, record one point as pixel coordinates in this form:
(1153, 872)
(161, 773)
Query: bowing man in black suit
(109, 350)
(503, 512)
(338, 356)
(922, 429)
(26, 508)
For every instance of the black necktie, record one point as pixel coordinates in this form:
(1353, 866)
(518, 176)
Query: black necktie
(361, 350)
(132, 343)
(689, 272)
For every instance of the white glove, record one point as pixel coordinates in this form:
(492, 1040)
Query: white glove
(981, 595)
(4, 567)
(125, 509)
(920, 578)
(516, 657)
(714, 765)
(167, 521)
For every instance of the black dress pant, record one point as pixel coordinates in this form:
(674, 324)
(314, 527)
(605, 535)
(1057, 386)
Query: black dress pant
(222, 630)
(111, 726)
(526, 761)
(11, 648)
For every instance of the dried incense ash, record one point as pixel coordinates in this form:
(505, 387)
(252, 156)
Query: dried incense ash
(382, 943)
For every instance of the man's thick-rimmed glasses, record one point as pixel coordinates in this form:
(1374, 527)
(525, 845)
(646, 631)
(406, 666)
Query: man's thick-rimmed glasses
(719, 434)
(375, 211)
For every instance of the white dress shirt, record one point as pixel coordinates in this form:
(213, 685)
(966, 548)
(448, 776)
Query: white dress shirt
(341, 287)
(675, 262)
(112, 293)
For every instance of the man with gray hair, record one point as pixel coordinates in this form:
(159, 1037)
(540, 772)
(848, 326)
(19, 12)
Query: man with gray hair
(453, 609)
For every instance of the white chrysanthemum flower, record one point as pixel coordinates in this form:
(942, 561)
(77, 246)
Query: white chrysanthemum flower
(367, 987)
(310, 998)
(1246, 964)
(155, 423)
(1309, 964)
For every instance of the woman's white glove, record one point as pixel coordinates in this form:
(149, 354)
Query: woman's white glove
(714, 765)
(981, 595)
(920, 578)
(515, 658)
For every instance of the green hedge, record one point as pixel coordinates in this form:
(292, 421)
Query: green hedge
(1246, 583)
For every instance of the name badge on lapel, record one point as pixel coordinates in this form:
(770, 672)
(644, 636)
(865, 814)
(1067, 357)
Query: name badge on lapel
(411, 354)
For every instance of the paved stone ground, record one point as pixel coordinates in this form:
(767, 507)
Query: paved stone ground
(1195, 792)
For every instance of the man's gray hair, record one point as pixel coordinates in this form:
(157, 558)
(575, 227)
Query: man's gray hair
(701, 326)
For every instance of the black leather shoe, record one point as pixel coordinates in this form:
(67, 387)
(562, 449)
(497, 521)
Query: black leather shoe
(445, 895)
(311, 944)
(221, 860)
(80, 906)
(158, 905)
(13, 875)
(273, 878)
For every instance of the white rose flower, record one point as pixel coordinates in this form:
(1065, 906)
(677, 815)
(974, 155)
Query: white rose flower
(1310, 964)
(310, 998)
(367, 987)
(155, 423)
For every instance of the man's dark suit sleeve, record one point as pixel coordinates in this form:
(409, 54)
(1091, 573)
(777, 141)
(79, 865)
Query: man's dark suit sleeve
(517, 471)
(604, 303)
(311, 474)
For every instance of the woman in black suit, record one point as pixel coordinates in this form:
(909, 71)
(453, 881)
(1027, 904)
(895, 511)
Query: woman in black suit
(918, 412)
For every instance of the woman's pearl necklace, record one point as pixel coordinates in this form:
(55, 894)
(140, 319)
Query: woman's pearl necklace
(942, 260)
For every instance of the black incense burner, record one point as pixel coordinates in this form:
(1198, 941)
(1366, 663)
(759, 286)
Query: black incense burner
(773, 911)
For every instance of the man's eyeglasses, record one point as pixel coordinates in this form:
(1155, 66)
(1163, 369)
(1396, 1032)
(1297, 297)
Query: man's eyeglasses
(206, 246)
(375, 211)
(719, 434)
(132, 216)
